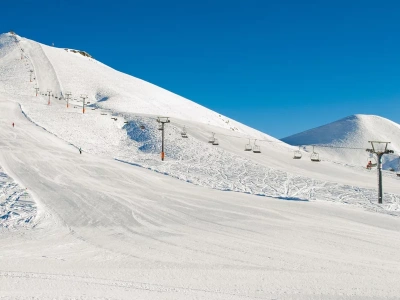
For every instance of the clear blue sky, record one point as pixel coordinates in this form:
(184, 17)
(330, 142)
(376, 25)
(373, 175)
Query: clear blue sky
(279, 66)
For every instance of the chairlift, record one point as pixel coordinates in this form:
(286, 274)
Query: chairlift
(314, 156)
(256, 148)
(183, 132)
(142, 127)
(160, 127)
(371, 161)
(297, 154)
(248, 147)
(215, 142)
(212, 138)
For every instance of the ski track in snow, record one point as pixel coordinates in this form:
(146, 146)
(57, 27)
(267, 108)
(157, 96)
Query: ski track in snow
(190, 160)
(115, 232)
(200, 163)
(17, 208)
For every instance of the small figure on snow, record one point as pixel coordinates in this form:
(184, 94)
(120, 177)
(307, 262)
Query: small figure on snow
(369, 165)
(13, 124)
(80, 150)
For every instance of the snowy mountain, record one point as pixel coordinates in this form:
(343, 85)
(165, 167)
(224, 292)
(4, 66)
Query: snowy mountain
(352, 132)
(62, 70)
(211, 221)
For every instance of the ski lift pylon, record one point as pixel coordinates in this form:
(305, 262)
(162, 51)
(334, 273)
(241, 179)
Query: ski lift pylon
(314, 156)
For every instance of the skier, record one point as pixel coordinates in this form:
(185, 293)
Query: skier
(13, 124)
(80, 150)
(369, 165)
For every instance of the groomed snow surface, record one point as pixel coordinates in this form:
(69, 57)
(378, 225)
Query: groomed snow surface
(210, 222)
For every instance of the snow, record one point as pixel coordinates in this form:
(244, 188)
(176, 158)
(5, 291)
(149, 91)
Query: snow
(352, 132)
(17, 208)
(210, 222)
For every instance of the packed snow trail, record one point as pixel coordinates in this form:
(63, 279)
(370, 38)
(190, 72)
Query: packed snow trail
(110, 230)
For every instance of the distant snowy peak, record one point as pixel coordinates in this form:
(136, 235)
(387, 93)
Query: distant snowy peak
(352, 131)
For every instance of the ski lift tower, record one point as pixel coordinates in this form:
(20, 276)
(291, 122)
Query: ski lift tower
(49, 92)
(379, 149)
(68, 94)
(162, 121)
(84, 97)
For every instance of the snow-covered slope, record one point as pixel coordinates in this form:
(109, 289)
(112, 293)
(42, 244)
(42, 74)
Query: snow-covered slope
(108, 230)
(352, 132)
(117, 91)
(133, 137)
(102, 227)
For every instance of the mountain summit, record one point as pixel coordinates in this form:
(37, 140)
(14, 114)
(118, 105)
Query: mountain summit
(351, 132)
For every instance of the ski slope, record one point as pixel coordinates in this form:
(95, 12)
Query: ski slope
(225, 167)
(108, 230)
(210, 222)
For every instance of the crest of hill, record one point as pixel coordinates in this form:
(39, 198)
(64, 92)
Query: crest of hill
(81, 52)
(353, 132)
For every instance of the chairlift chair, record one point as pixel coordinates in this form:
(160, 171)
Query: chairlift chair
(212, 138)
(215, 142)
(314, 156)
(371, 164)
(142, 127)
(256, 148)
(297, 154)
(184, 133)
(248, 147)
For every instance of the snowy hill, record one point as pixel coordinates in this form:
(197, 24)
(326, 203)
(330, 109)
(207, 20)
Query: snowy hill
(116, 221)
(120, 123)
(352, 132)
